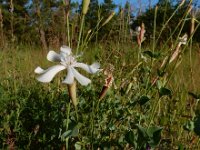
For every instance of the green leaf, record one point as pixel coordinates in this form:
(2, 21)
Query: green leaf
(197, 125)
(143, 99)
(78, 145)
(164, 92)
(195, 96)
(149, 136)
(130, 137)
(189, 126)
(72, 131)
(180, 147)
(142, 131)
(160, 73)
(154, 134)
(66, 134)
(151, 54)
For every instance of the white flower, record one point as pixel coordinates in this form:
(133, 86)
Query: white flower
(67, 61)
(137, 30)
(183, 39)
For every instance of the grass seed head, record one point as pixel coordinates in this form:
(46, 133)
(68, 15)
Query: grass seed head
(109, 18)
(182, 2)
(85, 6)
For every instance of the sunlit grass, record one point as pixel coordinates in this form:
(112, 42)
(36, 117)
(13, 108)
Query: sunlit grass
(22, 96)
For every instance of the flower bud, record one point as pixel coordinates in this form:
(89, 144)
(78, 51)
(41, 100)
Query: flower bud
(85, 6)
(72, 93)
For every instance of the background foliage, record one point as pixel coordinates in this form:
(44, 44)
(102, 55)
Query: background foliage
(134, 114)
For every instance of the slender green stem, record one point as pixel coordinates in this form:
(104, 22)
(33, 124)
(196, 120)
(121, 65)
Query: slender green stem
(139, 53)
(67, 125)
(154, 34)
(68, 31)
(76, 110)
(154, 28)
(164, 26)
(92, 123)
(155, 106)
(80, 33)
(184, 18)
(191, 70)
(95, 31)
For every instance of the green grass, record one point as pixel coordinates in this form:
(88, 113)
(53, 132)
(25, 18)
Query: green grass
(33, 115)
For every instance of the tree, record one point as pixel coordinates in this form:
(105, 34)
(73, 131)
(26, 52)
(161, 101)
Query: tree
(15, 18)
(107, 8)
(92, 14)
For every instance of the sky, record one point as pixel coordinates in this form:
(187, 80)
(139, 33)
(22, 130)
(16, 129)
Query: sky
(134, 3)
(145, 3)
(122, 2)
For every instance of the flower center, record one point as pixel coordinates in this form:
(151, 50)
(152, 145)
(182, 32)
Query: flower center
(68, 61)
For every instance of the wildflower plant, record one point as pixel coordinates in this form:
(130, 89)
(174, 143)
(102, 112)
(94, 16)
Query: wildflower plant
(67, 62)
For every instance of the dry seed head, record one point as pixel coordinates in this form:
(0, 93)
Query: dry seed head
(175, 54)
(85, 6)
(89, 31)
(108, 70)
(142, 32)
(182, 2)
(189, 9)
(192, 25)
(109, 18)
(108, 81)
(182, 40)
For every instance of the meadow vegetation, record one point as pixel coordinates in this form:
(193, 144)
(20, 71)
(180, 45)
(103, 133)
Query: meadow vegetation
(152, 101)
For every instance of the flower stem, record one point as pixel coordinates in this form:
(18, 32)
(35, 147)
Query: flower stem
(67, 125)
(68, 31)
(76, 111)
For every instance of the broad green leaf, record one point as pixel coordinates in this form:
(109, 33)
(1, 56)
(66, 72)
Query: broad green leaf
(195, 96)
(151, 54)
(143, 99)
(164, 92)
(154, 134)
(142, 131)
(130, 137)
(197, 125)
(78, 145)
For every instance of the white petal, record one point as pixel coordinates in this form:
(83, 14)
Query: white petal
(53, 56)
(39, 70)
(66, 50)
(90, 69)
(48, 74)
(80, 78)
(70, 77)
(137, 29)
